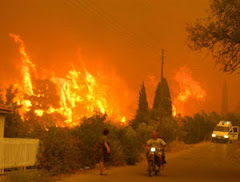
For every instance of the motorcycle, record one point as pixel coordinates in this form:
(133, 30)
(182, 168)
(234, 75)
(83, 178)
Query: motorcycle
(154, 163)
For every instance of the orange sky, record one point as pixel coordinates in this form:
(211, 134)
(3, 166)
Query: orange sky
(123, 36)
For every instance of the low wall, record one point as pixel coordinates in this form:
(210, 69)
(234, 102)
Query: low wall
(16, 152)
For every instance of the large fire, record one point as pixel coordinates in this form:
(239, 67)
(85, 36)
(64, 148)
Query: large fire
(26, 85)
(186, 92)
(189, 90)
(79, 93)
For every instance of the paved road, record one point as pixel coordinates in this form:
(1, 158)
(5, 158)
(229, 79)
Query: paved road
(206, 162)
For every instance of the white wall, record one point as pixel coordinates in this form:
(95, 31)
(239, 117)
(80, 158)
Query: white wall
(15, 152)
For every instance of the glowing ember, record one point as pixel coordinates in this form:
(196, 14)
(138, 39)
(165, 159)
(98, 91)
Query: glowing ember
(39, 112)
(174, 111)
(123, 120)
(27, 104)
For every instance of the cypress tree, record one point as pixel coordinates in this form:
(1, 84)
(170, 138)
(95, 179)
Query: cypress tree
(166, 100)
(156, 114)
(143, 111)
(162, 105)
(157, 99)
(142, 102)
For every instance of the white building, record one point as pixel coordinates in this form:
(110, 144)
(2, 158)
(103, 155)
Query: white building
(15, 152)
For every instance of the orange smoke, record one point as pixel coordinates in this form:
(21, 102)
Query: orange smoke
(81, 94)
(189, 90)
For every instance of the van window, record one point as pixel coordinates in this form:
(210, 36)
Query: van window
(221, 128)
(235, 130)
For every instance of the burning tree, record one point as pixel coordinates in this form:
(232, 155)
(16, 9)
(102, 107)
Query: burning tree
(44, 102)
(63, 100)
(219, 33)
(45, 96)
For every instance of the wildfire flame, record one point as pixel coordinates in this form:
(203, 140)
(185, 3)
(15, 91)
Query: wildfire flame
(174, 111)
(123, 120)
(79, 92)
(26, 67)
(189, 89)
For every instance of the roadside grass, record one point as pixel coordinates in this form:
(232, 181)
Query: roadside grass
(233, 151)
(177, 146)
(26, 176)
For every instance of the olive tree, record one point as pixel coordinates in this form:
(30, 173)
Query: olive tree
(219, 33)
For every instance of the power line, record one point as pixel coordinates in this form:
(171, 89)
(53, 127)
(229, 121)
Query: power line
(110, 18)
(91, 12)
(88, 7)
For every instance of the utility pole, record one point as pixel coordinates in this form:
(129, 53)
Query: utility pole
(161, 91)
(162, 65)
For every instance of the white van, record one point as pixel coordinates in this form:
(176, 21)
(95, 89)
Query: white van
(222, 132)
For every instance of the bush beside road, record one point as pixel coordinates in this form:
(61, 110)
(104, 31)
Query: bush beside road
(233, 150)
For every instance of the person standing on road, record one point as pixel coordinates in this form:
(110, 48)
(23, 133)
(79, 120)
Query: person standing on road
(104, 150)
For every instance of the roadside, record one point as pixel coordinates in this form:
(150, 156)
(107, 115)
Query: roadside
(173, 150)
(233, 150)
(26, 176)
(202, 162)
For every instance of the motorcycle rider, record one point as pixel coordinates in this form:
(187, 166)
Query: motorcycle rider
(160, 145)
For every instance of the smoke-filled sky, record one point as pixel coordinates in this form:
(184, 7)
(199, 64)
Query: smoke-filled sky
(120, 36)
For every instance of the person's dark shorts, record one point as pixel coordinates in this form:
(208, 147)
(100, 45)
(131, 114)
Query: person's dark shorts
(103, 156)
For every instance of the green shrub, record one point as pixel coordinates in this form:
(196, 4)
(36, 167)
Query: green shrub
(144, 133)
(117, 155)
(169, 129)
(130, 145)
(58, 151)
(199, 128)
(90, 132)
(234, 118)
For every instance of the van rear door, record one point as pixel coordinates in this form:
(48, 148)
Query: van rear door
(235, 133)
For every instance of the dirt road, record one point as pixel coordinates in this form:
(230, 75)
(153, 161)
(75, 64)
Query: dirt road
(205, 162)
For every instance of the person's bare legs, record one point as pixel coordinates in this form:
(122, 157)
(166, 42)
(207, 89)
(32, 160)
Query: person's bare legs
(148, 159)
(161, 161)
(101, 165)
